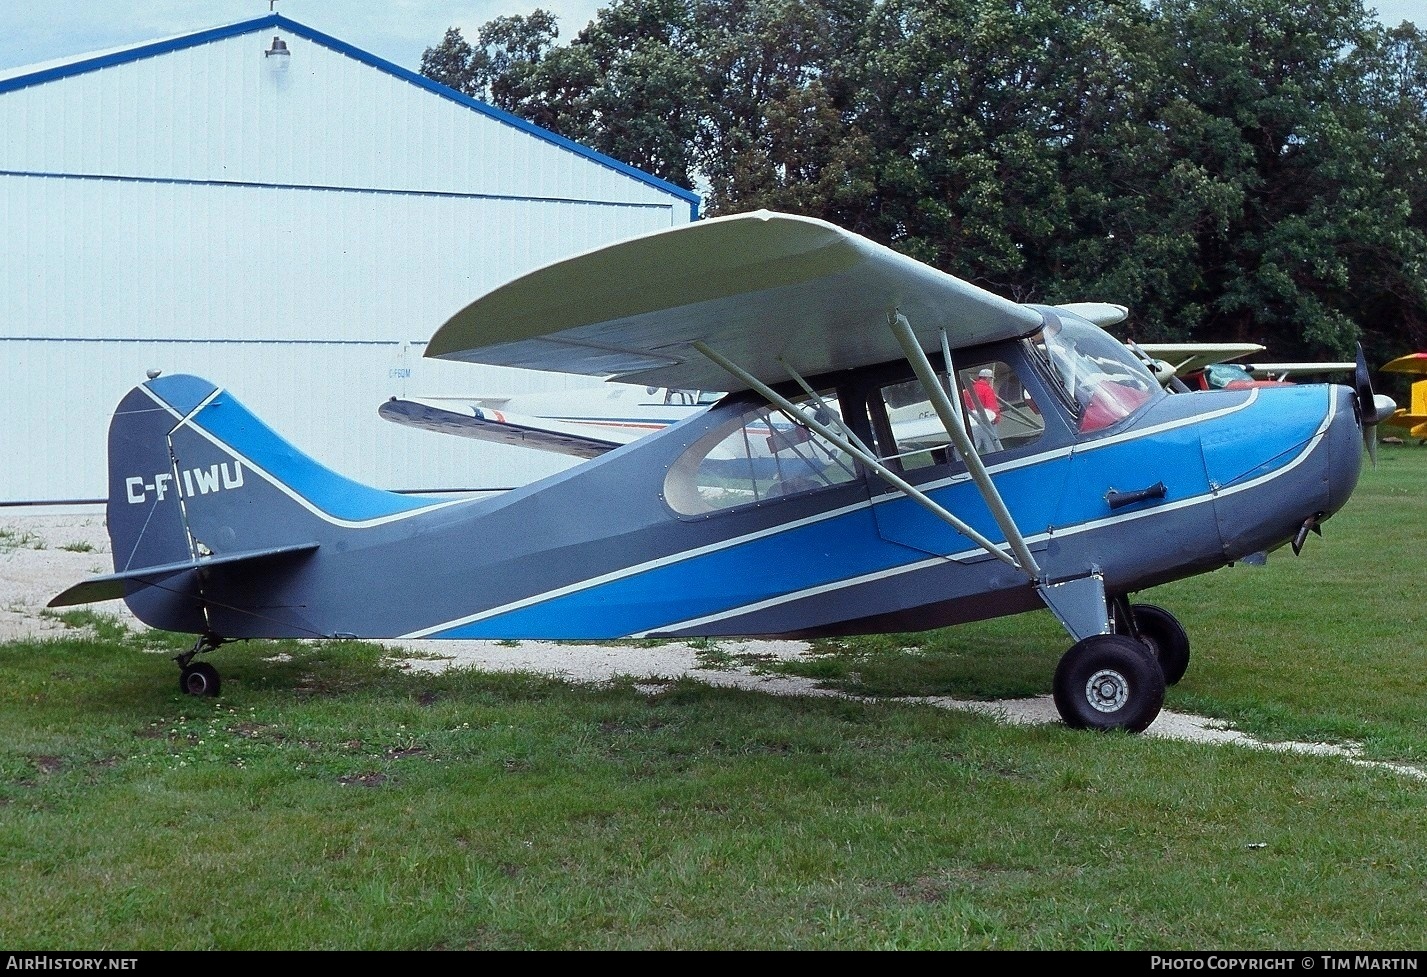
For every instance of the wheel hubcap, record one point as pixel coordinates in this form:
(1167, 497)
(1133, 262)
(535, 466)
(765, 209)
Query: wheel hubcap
(1107, 690)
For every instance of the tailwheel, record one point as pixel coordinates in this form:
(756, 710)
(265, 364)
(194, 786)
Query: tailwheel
(1160, 632)
(1107, 682)
(199, 679)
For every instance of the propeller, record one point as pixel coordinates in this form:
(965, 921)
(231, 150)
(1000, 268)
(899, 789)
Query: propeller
(1372, 408)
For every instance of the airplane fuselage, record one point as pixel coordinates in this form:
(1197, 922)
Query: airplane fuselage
(598, 553)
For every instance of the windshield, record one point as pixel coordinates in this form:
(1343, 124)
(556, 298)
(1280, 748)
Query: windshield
(1098, 373)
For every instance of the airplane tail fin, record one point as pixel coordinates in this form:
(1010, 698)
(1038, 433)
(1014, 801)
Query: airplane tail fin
(202, 493)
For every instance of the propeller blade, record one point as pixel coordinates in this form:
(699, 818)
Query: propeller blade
(1362, 383)
(1372, 408)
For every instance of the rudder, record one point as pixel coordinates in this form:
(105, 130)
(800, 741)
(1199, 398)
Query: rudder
(144, 513)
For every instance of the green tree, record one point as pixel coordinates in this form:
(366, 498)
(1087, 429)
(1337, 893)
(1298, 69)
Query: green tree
(1390, 262)
(1230, 169)
(1263, 98)
(499, 69)
(974, 111)
(777, 128)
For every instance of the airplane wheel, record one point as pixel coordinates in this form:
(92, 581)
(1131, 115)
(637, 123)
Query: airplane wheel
(199, 678)
(1108, 681)
(1162, 634)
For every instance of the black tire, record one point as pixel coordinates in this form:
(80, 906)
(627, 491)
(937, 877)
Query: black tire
(199, 679)
(1163, 635)
(1106, 682)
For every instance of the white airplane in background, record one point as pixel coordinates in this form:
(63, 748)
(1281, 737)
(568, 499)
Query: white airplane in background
(1220, 373)
(1205, 366)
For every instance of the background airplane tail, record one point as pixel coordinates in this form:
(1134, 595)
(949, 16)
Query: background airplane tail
(205, 498)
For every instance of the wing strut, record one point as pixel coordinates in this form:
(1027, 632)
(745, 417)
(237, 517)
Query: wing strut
(950, 419)
(857, 450)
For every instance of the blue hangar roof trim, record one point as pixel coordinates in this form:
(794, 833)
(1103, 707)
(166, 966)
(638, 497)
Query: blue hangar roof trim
(277, 21)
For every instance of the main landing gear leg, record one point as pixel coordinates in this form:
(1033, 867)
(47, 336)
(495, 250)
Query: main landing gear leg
(1158, 630)
(199, 678)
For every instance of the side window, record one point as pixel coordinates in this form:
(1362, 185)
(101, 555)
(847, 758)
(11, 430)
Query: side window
(998, 411)
(758, 455)
(1001, 412)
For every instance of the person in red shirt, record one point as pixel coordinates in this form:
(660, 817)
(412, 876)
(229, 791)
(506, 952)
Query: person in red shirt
(984, 389)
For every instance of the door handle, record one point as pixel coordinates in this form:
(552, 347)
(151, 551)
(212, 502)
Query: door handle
(1118, 500)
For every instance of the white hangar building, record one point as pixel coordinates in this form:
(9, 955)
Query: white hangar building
(288, 216)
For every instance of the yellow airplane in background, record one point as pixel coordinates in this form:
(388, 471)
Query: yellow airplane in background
(1414, 420)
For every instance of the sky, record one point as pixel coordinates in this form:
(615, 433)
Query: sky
(399, 31)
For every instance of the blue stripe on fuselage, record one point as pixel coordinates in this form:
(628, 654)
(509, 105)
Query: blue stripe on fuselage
(761, 567)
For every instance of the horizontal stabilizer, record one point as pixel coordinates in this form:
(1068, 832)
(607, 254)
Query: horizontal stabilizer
(112, 586)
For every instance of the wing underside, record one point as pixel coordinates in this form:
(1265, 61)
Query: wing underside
(768, 291)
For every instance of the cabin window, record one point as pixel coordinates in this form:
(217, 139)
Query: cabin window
(757, 456)
(998, 411)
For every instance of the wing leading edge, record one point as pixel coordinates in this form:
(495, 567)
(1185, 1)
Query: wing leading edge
(764, 289)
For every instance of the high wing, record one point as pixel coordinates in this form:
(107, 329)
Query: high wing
(1103, 314)
(633, 311)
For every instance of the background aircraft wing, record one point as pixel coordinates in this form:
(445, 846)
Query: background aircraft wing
(1188, 357)
(1411, 363)
(1286, 371)
(761, 289)
(473, 421)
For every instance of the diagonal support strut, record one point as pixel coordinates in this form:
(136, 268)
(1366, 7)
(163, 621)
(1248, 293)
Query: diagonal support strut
(950, 419)
(858, 451)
